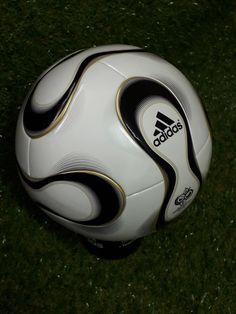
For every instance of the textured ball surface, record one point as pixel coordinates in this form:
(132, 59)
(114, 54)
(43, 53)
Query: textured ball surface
(112, 141)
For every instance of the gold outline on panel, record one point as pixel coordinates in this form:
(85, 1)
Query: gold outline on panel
(109, 180)
(116, 186)
(112, 182)
(121, 87)
(63, 112)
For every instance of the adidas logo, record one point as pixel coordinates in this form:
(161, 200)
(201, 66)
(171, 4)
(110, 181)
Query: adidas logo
(165, 128)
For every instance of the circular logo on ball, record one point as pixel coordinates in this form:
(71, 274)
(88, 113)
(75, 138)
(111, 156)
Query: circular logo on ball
(183, 198)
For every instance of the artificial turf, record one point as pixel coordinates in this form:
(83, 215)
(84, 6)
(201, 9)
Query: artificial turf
(189, 265)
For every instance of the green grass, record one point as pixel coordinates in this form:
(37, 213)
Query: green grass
(189, 265)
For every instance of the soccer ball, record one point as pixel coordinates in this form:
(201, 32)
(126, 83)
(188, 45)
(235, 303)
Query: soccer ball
(112, 141)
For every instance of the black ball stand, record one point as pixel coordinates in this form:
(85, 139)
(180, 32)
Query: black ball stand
(111, 250)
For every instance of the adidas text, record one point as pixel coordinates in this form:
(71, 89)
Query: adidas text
(167, 133)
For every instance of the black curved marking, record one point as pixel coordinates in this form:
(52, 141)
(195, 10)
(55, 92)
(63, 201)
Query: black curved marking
(130, 99)
(36, 122)
(108, 197)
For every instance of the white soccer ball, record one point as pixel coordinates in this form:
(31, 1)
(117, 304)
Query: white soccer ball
(112, 141)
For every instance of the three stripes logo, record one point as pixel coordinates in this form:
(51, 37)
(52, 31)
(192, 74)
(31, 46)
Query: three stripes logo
(165, 128)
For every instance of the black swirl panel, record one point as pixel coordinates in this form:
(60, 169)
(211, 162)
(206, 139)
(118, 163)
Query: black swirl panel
(38, 123)
(129, 100)
(109, 194)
